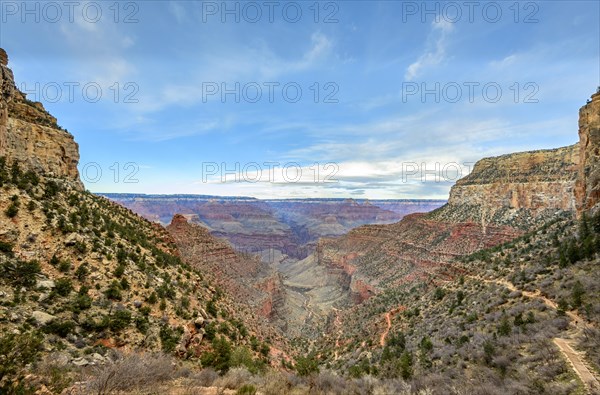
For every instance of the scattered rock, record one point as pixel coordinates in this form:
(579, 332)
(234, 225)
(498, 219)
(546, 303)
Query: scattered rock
(73, 239)
(48, 284)
(98, 358)
(137, 304)
(203, 313)
(43, 297)
(42, 318)
(199, 322)
(80, 362)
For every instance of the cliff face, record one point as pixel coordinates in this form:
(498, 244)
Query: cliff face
(587, 192)
(516, 190)
(31, 136)
(502, 198)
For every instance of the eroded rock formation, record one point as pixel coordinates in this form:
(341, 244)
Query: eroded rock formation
(516, 190)
(587, 192)
(31, 136)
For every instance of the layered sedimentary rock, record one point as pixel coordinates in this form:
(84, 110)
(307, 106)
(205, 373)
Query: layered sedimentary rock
(245, 278)
(31, 136)
(588, 189)
(516, 190)
(501, 199)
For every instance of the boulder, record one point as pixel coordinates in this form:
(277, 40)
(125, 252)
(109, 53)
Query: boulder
(42, 318)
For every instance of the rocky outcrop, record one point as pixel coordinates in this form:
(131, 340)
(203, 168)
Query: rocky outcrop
(31, 136)
(516, 190)
(587, 192)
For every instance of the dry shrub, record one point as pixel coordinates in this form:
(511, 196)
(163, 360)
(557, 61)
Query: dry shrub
(362, 385)
(130, 372)
(327, 382)
(55, 372)
(204, 378)
(276, 383)
(235, 378)
(392, 386)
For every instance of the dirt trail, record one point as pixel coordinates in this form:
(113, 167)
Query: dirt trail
(577, 363)
(575, 358)
(388, 322)
(576, 320)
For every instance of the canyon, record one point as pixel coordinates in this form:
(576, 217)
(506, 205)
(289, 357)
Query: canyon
(295, 291)
(331, 255)
(358, 286)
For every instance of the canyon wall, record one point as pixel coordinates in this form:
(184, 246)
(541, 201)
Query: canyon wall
(587, 192)
(31, 136)
(517, 190)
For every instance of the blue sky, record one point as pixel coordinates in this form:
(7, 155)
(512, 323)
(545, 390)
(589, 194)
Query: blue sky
(361, 126)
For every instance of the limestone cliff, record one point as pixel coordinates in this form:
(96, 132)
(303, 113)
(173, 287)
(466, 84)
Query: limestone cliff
(587, 191)
(516, 190)
(31, 136)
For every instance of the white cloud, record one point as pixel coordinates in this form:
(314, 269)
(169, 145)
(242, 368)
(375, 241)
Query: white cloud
(435, 52)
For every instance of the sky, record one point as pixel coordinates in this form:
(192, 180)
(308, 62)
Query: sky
(362, 99)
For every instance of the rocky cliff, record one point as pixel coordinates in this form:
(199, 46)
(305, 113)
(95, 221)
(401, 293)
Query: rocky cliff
(502, 198)
(588, 190)
(516, 190)
(31, 136)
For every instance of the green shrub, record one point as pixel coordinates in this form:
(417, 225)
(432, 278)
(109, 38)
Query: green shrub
(81, 302)
(82, 271)
(63, 286)
(64, 266)
(20, 273)
(6, 248)
(169, 338)
(220, 357)
(12, 210)
(59, 327)
(113, 291)
(305, 366)
(17, 351)
(120, 320)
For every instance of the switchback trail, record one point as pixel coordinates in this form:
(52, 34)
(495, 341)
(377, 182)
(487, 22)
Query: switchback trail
(575, 358)
(388, 322)
(577, 321)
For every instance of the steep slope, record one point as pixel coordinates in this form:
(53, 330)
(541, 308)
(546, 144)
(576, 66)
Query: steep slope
(491, 329)
(81, 275)
(247, 279)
